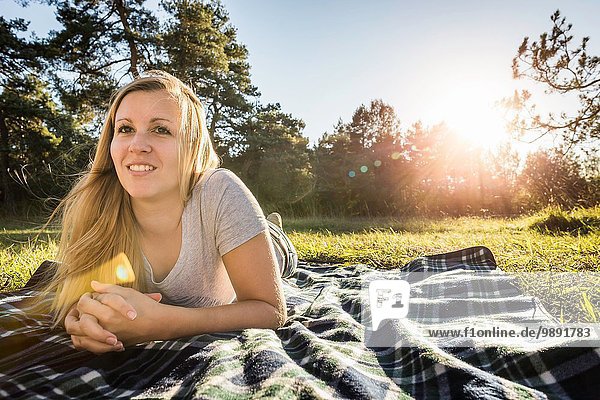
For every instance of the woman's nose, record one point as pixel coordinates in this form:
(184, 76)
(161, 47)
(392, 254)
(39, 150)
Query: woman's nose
(140, 144)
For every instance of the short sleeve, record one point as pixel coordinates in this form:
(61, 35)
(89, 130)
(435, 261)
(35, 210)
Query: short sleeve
(238, 216)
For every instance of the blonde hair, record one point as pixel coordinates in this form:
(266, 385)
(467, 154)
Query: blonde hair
(96, 216)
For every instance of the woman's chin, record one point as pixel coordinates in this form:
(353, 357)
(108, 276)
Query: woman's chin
(144, 194)
(141, 194)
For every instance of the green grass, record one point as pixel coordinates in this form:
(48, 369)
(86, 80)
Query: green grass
(390, 243)
(525, 244)
(555, 220)
(22, 250)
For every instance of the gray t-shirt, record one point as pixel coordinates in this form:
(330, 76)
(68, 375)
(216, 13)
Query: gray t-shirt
(221, 215)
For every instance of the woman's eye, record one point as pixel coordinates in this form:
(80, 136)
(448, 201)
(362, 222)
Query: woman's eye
(162, 130)
(124, 129)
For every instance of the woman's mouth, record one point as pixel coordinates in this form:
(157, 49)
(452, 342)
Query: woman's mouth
(141, 167)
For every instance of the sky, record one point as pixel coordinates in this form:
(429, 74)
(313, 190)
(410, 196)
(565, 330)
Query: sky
(432, 61)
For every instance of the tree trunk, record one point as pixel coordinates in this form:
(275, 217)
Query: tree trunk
(213, 121)
(133, 67)
(7, 198)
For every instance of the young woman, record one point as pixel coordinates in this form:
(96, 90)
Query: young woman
(204, 257)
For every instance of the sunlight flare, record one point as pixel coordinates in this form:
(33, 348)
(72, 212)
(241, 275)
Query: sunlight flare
(123, 271)
(469, 109)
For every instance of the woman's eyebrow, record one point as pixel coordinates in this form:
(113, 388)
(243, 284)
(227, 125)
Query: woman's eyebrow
(151, 120)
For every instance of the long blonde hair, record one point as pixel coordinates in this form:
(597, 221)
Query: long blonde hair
(96, 216)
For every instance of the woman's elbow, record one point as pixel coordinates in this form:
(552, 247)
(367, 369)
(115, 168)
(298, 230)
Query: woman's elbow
(279, 316)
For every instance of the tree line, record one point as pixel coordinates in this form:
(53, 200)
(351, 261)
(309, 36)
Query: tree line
(372, 166)
(55, 90)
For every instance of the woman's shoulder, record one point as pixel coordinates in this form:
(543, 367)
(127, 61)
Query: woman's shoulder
(217, 182)
(221, 189)
(215, 178)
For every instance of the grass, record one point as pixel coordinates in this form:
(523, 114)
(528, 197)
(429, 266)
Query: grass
(23, 246)
(390, 243)
(552, 240)
(555, 220)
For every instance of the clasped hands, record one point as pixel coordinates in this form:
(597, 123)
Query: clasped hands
(112, 317)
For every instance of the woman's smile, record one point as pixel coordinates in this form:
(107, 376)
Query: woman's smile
(140, 169)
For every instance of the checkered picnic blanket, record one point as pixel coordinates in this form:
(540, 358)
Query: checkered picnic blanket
(319, 353)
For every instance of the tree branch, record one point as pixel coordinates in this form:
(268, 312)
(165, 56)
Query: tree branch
(129, 37)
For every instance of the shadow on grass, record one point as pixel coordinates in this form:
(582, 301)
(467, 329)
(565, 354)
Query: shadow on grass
(398, 225)
(555, 221)
(15, 231)
(356, 224)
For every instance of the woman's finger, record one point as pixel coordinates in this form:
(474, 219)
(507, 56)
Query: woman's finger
(83, 299)
(72, 322)
(77, 324)
(117, 303)
(90, 327)
(108, 288)
(88, 305)
(154, 296)
(85, 343)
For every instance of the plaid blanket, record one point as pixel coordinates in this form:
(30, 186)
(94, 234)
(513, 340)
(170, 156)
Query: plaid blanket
(319, 353)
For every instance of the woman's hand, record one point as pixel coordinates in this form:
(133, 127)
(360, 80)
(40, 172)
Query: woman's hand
(85, 329)
(126, 313)
(87, 334)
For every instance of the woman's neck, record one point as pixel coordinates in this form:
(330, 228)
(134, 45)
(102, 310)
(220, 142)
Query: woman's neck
(156, 219)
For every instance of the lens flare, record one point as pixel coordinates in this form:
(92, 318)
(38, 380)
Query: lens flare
(122, 275)
(123, 272)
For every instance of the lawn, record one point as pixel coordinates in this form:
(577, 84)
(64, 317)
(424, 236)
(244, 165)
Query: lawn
(390, 243)
(23, 246)
(549, 241)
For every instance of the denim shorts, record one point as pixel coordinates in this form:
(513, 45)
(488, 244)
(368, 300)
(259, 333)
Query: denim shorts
(285, 251)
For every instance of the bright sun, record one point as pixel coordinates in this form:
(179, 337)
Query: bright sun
(469, 109)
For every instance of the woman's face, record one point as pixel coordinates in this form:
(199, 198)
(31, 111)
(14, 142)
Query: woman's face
(144, 145)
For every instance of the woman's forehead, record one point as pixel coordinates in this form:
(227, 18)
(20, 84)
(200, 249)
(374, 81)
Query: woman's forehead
(147, 104)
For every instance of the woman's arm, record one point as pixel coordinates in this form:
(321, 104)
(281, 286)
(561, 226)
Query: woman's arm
(256, 280)
(260, 303)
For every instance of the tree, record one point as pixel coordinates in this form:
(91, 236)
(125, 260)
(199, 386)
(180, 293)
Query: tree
(552, 178)
(445, 173)
(200, 47)
(260, 142)
(37, 154)
(501, 184)
(332, 165)
(98, 40)
(272, 158)
(55, 89)
(353, 165)
(371, 125)
(562, 68)
(18, 58)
